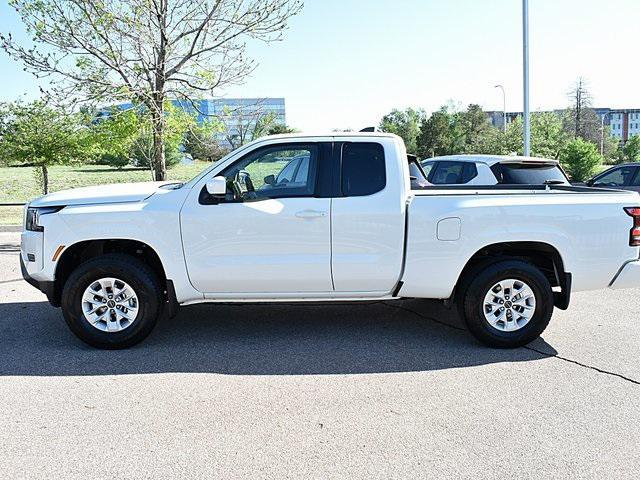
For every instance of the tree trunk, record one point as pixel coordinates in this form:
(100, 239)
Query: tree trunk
(45, 179)
(159, 163)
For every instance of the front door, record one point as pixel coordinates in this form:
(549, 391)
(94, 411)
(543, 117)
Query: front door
(270, 234)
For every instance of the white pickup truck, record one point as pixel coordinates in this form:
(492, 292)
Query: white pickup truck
(341, 217)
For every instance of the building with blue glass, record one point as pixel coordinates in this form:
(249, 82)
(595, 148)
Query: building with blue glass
(239, 115)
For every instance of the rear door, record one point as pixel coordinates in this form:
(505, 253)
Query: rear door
(368, 217)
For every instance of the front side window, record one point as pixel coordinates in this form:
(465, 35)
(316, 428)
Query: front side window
(363, 169)
(273, 172)
(618, 177)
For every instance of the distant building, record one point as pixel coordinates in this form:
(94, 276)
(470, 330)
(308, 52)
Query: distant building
(624, 122)
(238, 114)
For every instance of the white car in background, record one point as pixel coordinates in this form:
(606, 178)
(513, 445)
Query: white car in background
(492, 170)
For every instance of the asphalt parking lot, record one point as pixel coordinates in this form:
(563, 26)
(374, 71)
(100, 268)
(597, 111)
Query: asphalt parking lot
(385, 390)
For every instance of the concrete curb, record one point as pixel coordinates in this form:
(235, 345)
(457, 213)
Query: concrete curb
(10, 228)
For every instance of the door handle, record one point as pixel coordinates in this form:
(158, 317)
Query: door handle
(311, 214)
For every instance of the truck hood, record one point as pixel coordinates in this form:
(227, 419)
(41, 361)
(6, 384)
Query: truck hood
(113, 193)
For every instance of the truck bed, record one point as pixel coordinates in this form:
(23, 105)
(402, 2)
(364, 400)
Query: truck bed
(511, 189)
(447, 225)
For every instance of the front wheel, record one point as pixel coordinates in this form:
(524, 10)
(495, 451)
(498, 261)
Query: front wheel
(507, 304)
(112, 301)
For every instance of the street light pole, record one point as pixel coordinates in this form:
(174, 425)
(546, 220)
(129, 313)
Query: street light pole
(504, 108)
(602, 134)
(525, 74)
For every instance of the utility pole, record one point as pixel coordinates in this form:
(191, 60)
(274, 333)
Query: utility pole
(602, 134)
(525, 74)
(504, 108)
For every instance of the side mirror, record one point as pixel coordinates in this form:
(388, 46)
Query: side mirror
(270, 179)
(217, 186)
(589, 183)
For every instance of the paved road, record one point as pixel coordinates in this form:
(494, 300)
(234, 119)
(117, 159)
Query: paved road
(393, 390)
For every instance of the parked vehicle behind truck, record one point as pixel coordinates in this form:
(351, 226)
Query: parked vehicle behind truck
(493, 170)
(299, 218)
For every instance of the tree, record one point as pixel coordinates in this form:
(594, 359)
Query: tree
(436, 134)
(611, 150)
(279, 129)
(447, 133)
(144, 51)
(405, 124)
(38, 135)
(114, 134)
(548, 137)
(492, 142)
(580, 120)
(201, 143)
(246, 123)
(631, 149)
(472, 125)
(177, 123)
(580, 159)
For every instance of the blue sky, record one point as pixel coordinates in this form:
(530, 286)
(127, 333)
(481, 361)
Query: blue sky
(344, 63)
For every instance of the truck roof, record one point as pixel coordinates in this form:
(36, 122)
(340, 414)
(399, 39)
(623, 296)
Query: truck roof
(331, 134)
(493, 159)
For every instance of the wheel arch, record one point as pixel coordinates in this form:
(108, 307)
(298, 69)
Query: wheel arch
(544, 256)
(81, 251)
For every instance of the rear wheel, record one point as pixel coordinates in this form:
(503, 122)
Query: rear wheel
(112, 301)
(507, 304)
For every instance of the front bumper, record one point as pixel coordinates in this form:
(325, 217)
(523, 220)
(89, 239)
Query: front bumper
(628, 276)
(48, 288)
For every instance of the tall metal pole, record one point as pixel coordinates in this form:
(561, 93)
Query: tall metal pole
(602, 134)
(525, 73)
(504, 108)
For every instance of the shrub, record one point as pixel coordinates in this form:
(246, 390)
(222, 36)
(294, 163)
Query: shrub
(631, 149)
(142, 151)
(580, 159)
(113, 160)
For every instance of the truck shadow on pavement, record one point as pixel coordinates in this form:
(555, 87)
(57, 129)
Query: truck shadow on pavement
(383, 337)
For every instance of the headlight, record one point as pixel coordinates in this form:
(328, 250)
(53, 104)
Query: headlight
(32, 217)
(31, 220)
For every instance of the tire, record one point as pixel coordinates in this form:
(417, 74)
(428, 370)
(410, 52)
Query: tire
(116, 334)
(519, 328)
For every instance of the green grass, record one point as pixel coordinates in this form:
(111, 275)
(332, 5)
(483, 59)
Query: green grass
(10, 215)
(18, 184)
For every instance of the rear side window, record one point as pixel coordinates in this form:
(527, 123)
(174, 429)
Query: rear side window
(363, 169)
(528, 174)
(453, 173)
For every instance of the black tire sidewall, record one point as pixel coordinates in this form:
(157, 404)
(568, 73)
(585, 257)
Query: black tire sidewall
(489, 276)
(127, 269)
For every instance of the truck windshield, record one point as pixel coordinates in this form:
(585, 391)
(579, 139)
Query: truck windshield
(529, 174)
